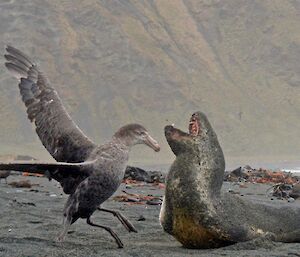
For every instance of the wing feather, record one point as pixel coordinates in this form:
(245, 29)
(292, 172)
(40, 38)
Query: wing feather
(69, 175)
(59, 134)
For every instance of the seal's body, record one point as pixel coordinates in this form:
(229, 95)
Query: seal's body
(195, 211)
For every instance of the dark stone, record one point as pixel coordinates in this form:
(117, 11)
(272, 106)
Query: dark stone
(141, 218)
(139, 174)
(154, 201)
(238, 174)
(295, 191)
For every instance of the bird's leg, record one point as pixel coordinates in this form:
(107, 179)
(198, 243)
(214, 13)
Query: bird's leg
(113, 234)
(66, 224)
(125, 222)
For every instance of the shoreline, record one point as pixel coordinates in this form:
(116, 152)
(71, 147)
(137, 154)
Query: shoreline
(31, 219)
(293, 167)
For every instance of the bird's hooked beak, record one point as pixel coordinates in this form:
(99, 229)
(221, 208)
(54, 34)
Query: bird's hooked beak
(151, 142)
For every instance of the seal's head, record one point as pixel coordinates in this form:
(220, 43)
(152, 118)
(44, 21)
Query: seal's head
(199, 130)
(133, 134)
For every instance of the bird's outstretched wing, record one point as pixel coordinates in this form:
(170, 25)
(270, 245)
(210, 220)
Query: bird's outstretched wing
(69, 175)
(55, 128)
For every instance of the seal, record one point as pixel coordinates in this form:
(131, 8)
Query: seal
(194, 209)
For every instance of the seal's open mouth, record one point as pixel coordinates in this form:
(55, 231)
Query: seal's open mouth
(194, 126)
(173, 133)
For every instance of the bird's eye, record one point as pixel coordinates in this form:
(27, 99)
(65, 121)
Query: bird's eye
(142, 133)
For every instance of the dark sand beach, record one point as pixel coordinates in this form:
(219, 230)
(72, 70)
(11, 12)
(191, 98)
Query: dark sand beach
(31, 219)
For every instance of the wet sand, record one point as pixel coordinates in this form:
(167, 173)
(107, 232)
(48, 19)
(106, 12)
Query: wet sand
(31, 219)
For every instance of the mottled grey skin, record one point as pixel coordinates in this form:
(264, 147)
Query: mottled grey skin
(195, 211)
(88, 172)
(4, 174)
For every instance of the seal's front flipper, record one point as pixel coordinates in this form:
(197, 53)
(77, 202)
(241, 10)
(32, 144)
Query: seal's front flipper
(166, 216)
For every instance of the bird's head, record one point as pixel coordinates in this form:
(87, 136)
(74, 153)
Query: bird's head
(133, 134)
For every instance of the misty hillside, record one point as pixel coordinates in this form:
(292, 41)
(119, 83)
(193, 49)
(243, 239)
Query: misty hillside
(156, 62)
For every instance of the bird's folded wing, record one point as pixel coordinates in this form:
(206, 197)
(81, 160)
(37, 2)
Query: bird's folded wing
(59, 134)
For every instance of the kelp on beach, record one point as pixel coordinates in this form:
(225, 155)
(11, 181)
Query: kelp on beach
(283, 184)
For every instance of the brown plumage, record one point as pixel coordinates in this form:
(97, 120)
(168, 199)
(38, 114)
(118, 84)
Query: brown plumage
(88, 172)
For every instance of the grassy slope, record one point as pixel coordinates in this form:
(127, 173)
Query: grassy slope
(155, 62)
